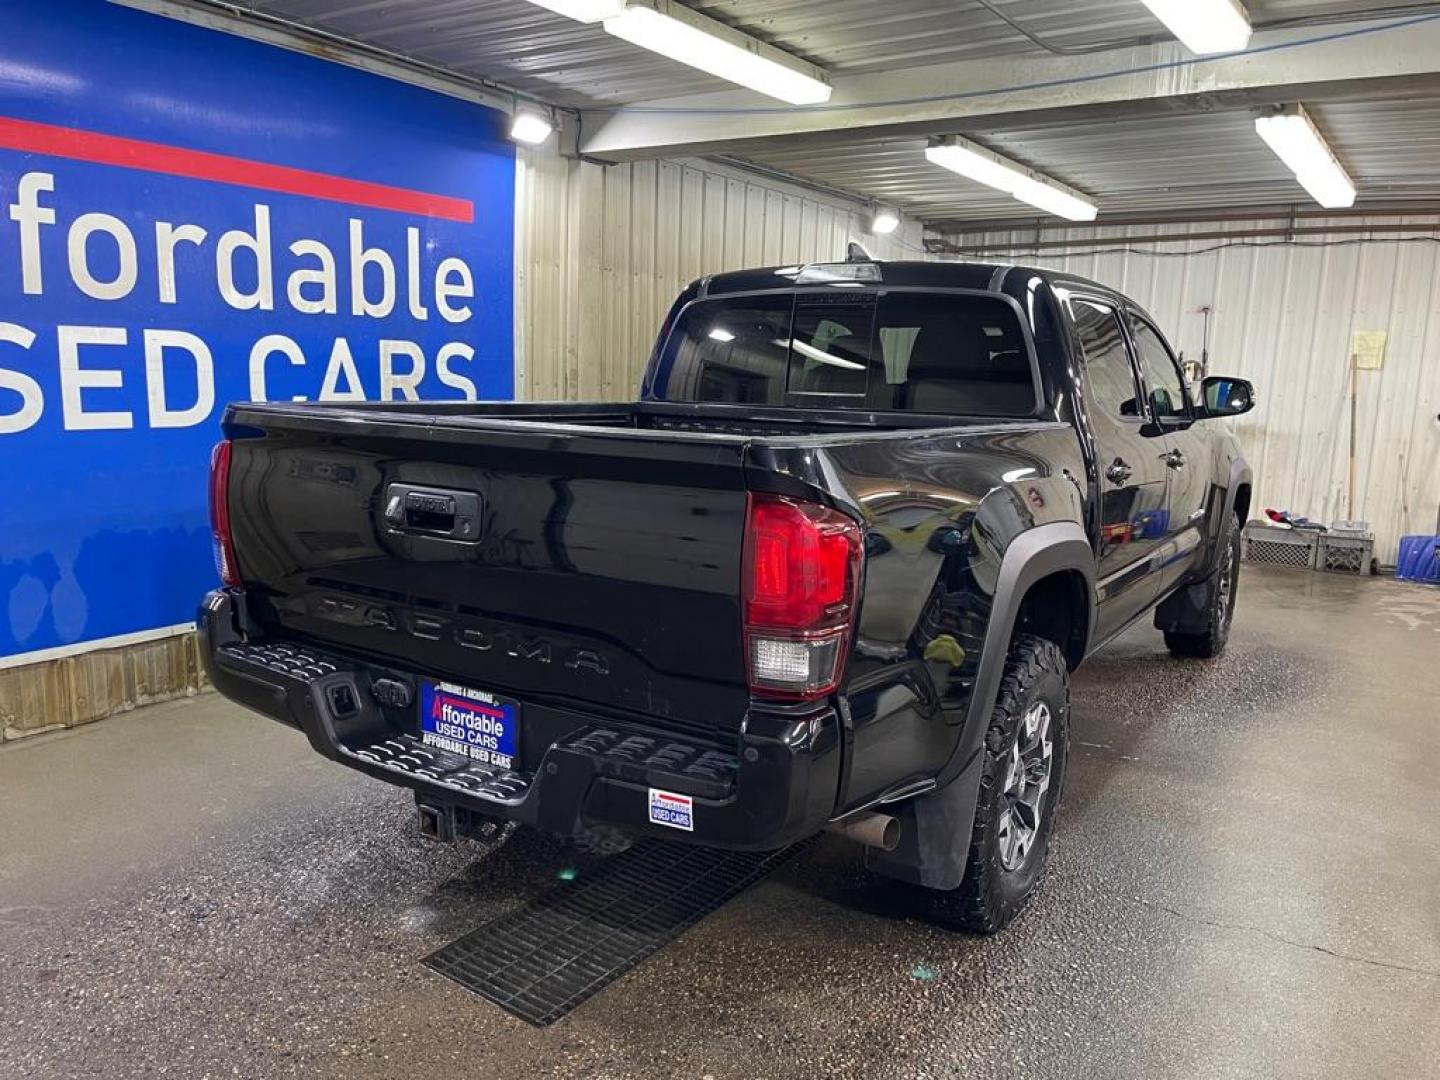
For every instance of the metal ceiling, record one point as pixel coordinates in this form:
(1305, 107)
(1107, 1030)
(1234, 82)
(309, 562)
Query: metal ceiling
(1175, 163)
(1180, 162)
(570, 64)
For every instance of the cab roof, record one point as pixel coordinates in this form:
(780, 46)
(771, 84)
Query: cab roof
(986, 276)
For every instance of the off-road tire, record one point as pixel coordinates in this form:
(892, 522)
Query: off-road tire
(1224, 586)
(990, 895)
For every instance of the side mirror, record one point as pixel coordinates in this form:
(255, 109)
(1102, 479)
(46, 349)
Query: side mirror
(1227, 396)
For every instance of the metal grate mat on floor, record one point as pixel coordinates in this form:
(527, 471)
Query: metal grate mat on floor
(542, 961)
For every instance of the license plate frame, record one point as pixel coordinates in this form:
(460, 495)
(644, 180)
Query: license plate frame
(478, 724)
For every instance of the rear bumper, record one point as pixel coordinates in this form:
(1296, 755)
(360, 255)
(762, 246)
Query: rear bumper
(775, 785)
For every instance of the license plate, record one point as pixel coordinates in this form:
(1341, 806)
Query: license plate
(476, 723)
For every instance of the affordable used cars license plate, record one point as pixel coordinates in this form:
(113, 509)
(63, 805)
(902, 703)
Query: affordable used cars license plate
(476, 723)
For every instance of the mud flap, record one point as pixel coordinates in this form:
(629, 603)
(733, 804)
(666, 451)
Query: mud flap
(1187, 610)
(934, 834)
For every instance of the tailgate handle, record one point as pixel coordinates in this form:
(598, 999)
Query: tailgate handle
(439, 512)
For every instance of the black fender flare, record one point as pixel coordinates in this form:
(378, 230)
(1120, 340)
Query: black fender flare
(1240, 476)
(1186, 610)
(1034, 554)
(935, 827)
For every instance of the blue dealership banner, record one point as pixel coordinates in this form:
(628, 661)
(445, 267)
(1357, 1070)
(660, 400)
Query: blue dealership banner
(188, 218)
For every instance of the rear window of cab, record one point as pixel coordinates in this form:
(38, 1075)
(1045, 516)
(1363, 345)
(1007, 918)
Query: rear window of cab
(947, 353)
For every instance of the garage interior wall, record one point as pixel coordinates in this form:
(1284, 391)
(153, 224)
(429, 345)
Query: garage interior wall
(602, 251)
(1283, 314)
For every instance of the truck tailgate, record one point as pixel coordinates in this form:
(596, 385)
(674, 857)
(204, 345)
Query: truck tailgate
(589, 568)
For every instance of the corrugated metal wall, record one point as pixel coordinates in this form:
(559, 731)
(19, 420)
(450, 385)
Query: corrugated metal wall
(1283, 315)
(602, 251)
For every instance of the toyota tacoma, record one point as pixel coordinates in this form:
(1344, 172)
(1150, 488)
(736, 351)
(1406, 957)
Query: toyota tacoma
(831, 569)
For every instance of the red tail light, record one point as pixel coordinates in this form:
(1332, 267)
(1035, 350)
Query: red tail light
(801, 587)
(225, 564)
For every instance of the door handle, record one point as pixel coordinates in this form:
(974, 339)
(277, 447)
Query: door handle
(1118, 472)
(438, 512)
(1174, 459)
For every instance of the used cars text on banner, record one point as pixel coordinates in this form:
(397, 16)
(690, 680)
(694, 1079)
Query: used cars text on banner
(189, 218)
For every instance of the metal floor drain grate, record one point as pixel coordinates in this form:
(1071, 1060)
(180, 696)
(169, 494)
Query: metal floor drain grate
(545, 959)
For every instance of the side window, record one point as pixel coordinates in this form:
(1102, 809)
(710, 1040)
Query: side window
(1162, 374)
(1109, 378)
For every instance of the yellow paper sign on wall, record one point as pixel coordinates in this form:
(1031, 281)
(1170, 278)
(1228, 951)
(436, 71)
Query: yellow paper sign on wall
(1368, 348)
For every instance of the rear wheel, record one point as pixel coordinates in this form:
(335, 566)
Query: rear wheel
(1210, 639)
(1025, 750)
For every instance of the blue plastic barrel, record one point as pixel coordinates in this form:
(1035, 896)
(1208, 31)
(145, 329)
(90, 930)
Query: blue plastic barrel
(1419, 559)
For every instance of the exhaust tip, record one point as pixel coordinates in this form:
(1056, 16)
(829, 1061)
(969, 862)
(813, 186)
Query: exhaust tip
(870, 830)
(889, 833)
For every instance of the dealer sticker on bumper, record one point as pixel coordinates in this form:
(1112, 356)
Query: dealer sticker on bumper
(671, 810)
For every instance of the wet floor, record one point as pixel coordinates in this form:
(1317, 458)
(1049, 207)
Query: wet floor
(1244, 882)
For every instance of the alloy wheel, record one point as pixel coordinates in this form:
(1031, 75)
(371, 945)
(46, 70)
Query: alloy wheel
(1027, 779)
(1226, 583)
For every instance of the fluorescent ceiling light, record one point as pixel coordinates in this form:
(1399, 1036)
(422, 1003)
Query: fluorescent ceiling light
(675, 31)
(884, 222)
(1054, 199)
(975, 162)
(528, 126)
(586, 11)
(1298, 143)
(1204, 26)
(721, 334)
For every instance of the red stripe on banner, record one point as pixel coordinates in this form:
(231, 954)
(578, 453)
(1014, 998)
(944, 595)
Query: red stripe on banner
(30, 137)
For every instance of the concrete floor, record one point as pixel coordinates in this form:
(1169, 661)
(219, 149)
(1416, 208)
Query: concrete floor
(1245, 882)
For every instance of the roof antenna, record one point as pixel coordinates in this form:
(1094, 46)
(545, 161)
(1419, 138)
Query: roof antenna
(854, 252)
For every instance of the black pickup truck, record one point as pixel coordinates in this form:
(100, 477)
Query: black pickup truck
(831, 569)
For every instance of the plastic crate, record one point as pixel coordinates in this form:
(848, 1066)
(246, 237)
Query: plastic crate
(1344, 554)
(1272, 546)
(1419, 559)
(1350, 528)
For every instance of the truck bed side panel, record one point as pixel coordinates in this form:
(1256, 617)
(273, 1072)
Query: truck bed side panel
(938, 510)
